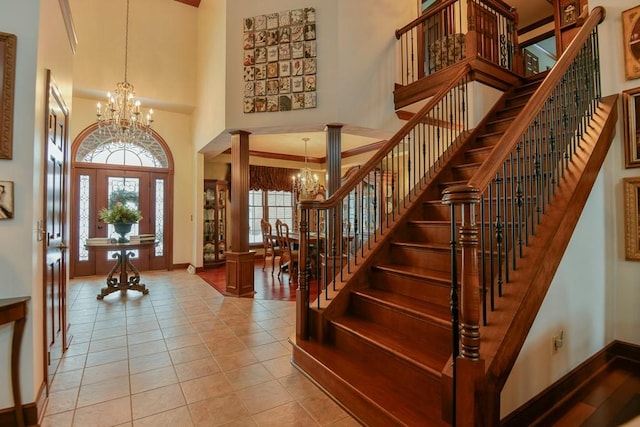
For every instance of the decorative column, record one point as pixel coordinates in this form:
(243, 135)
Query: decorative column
(240, 260)
(333, 222)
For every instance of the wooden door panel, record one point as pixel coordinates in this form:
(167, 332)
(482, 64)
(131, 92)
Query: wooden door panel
(54, 234)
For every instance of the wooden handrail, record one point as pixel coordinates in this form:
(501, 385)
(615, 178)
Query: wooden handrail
(502, 150)
(501, 6)
(497, 5)
(364, 171)
(420, 19)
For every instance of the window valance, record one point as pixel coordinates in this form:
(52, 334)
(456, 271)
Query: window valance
(270, 178)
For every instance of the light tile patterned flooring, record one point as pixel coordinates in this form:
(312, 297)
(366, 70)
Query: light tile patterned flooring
(183, 355)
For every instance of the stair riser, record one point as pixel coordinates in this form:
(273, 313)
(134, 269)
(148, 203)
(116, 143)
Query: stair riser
(460, 173)
(351, 397)
(434, 259)
(477, 156)
(394, 318)
(420, 289)
(498, 126)
(436, 212)
(433, 233)
(379, 359)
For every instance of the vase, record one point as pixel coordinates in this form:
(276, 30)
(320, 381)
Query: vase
(122, 228)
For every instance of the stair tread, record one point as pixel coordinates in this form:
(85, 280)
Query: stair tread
(420, 352)
(417, 308)
(422, 245)
(467, 165)
(381, 388)
(417, 272)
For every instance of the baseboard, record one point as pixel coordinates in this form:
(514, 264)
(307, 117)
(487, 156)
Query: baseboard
(33, 412)
(181, 266)
(562, 390)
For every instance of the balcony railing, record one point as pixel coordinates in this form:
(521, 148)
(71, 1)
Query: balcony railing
(455, 30)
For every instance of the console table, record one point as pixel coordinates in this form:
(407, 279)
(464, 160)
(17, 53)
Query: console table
(123, 266)
(15, 310)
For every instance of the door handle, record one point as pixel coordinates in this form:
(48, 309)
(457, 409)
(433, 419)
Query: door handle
(99, 227)
(62, 246)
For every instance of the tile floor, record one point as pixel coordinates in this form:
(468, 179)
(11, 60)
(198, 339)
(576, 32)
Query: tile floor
(183, 355)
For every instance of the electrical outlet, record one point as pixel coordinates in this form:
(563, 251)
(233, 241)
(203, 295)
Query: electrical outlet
(557, 341)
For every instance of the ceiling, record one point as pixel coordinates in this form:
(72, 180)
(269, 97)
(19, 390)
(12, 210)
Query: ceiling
(286, 143)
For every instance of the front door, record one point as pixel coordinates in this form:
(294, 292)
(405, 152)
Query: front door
(109, 183)
(94, 189)
(53, 230)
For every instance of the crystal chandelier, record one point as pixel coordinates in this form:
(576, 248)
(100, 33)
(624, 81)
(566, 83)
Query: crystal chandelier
(121, 116)
(305, 184)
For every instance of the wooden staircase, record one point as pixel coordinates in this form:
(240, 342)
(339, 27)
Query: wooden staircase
(383, 357)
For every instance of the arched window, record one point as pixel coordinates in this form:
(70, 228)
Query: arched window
(100, 146)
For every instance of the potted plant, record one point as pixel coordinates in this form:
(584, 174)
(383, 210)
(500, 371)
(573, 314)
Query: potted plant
(118, 214)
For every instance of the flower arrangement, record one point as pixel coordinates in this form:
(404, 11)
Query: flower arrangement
(119, 214)
(118, 211)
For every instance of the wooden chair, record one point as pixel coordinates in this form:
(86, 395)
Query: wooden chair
(269, 244)
(288, 255)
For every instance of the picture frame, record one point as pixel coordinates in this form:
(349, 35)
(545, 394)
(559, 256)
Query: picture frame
(7, 83)
(6, 200)
(631, 123)
(631, 42)
(631, 189)
(569, 12)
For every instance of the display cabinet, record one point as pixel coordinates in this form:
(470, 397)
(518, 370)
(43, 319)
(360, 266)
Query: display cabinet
(215, 222)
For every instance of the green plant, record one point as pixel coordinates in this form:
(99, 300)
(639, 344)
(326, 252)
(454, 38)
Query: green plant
(119, 213)
(123, 197)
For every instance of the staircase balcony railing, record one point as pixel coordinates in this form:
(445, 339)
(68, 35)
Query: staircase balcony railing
(338, 235)
(455, 30)
(495, 215)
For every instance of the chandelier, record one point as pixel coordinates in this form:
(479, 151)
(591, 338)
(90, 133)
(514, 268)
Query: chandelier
(305, 184)
(121, 116)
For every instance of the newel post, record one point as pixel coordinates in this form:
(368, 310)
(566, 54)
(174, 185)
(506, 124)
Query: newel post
(468, 368)
(302, 293)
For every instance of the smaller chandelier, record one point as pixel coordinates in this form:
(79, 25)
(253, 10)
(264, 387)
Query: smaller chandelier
(306, 184)
(122, 116)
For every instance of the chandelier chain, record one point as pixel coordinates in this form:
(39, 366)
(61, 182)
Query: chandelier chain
(126, 43)
(122, 117)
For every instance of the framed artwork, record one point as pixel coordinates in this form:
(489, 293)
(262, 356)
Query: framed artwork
(631, 218)
(631, 42)
(569, 11)
(631, 119)
(6, 200)
(280, 58)
(7, 80)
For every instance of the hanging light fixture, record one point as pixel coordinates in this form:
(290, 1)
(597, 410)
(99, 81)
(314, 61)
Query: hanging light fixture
(305, 184)
(121, 116)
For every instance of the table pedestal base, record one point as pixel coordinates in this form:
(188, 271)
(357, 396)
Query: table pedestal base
(124, 282)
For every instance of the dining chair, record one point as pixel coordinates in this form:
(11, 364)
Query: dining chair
(288, 255)
(269, 244)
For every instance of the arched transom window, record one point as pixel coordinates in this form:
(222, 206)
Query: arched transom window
(100, 146)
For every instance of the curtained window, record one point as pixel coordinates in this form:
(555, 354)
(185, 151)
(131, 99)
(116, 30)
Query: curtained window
(270, 198)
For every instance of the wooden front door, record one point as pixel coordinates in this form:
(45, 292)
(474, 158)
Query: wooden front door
(93, 189)
(54, 230)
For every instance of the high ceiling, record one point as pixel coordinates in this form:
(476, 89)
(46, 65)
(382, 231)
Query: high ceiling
(290, 144)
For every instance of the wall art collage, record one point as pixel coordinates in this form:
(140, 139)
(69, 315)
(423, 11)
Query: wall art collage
(280, 61)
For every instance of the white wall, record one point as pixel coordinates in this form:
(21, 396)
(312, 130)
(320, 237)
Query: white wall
(42, 44)
(595, 293)
(163, 41)
(356, 68)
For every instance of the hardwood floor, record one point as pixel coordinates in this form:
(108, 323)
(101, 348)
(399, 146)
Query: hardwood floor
(612, 398)
(267, 286)
(604, 391)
